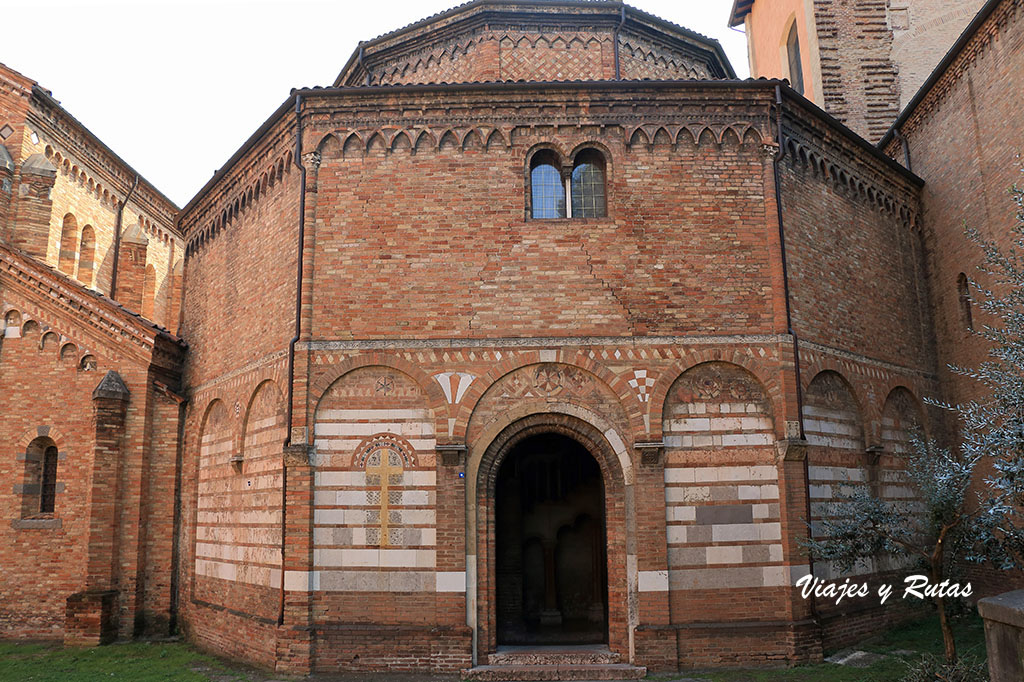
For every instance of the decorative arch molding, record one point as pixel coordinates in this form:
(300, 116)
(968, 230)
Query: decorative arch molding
(765, 375)
(544, 417)
(489, 453)
(615, 383)
(802, 155)
(648, 134)
(436, 400)
(42, 431)
(265, 384)
(860, 392)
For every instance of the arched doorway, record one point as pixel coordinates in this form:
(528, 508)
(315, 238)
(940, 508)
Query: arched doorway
(551, 579)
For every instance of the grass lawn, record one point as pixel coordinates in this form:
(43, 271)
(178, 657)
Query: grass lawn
(921, 636)
(152, 662)
(135, 661)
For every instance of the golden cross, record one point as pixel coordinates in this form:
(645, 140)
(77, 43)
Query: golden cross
(382, 464)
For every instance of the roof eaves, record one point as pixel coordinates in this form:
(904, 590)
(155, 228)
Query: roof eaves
(740, 10)
(47, 96)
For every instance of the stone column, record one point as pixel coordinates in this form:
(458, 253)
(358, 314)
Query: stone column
(90, 616)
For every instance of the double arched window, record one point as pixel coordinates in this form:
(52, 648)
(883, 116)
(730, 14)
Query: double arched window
(576, 190)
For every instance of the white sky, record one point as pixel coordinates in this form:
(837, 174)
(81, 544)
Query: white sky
(175, 88)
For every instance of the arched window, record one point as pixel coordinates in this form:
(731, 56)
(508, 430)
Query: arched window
(86, 254)
(68, 242)
(796, 69)
(48, 484)
(963, 291)
(588, 195)
(148, 292)
(546, 186)
(39, 487)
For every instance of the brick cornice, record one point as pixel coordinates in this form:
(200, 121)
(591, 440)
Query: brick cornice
(80, 142)
(103, 319)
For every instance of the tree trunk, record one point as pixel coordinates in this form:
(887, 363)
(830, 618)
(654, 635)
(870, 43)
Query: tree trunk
(948, 643)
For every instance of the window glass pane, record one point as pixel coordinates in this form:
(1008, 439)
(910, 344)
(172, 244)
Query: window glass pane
(548, 191)
(588, 199)
(796, 68)
(48, 489)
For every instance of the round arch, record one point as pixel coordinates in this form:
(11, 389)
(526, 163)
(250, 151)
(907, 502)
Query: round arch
(485, 460)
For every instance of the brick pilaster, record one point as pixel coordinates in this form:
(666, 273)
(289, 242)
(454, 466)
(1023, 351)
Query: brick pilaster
(34, 205)
(90, 616)
(295, 633)
(131, 266)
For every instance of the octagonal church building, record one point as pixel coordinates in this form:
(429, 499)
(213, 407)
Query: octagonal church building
(533, 341)
(517, 296)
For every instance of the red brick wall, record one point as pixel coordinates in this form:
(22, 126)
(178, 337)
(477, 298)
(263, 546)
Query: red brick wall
(855, 266)
(436, 314)
(51, 365)
(972, 115)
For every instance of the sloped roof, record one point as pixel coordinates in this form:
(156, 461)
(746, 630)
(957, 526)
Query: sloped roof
(470, 15)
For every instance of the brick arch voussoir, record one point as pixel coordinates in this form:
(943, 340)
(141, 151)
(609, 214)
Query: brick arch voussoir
(436, 400)
(765, 375)
(209, 400)
(913, 387)
(615, 383)
(535, 417)
(858, 388)
(29, 435)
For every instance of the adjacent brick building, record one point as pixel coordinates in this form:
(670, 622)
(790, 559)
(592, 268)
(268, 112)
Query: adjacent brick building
(536, 327)
(860, 60)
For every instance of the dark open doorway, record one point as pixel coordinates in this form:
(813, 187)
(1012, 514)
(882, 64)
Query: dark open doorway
(552, 583)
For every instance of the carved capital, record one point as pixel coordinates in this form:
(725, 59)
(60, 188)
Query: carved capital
(451, 454)
(791, 450)
(770, 150)
(873, 453)
(652, 453)
(311, 161)
(297, 455)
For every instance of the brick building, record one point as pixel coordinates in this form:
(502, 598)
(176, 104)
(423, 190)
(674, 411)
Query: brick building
(562, 334)
(90, 410)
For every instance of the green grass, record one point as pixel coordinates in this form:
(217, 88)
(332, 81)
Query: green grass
(921, 636)
(135, 661)
(155, 662)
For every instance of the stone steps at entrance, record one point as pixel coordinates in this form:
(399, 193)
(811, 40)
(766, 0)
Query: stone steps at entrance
(534, 673)
(553, 655)
(558, 662)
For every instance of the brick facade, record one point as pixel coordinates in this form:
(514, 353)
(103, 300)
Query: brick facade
(968, 112)
(746, 330)
(863, 59)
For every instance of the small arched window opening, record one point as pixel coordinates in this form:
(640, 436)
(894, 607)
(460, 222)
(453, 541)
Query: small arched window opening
(68, 242)
(963, 291)
(39, 486)
(796, 69)
(588, 191)
(546, 187)
(86, 254)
